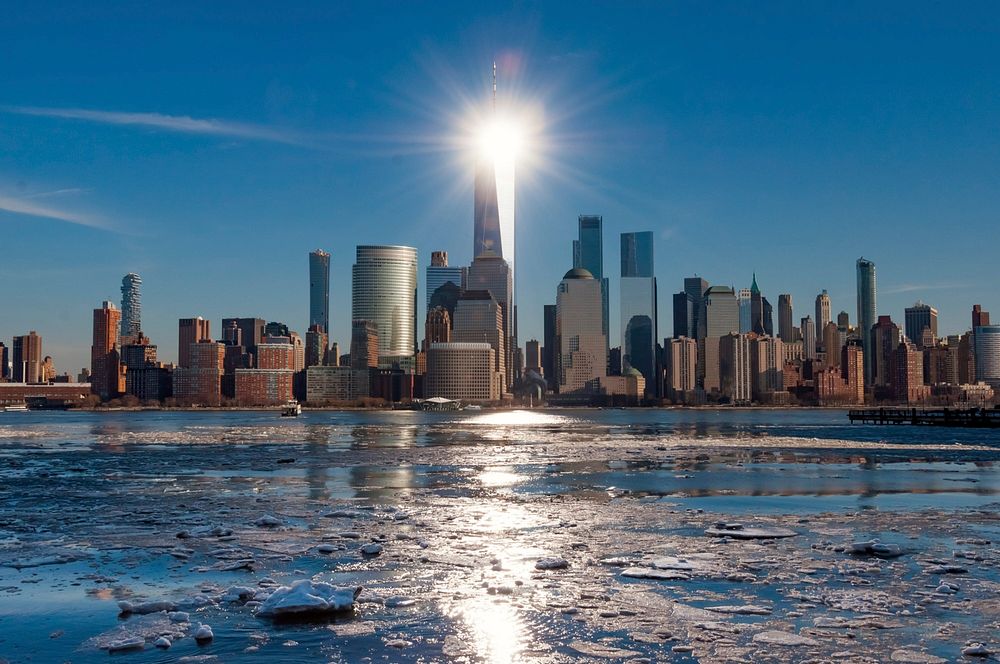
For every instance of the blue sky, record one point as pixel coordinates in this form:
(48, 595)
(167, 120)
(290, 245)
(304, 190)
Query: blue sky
(211, 146)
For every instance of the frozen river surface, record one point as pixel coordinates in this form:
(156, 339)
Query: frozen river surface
(536, 536)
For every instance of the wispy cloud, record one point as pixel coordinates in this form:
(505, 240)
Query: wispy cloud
(33, 209)
(177, 123)
(913, 288)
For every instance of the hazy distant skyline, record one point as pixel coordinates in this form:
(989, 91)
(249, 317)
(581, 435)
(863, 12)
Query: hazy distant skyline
(211, 148)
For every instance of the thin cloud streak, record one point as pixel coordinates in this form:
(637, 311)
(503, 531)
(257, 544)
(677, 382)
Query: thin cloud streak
(33, 209)
(912, 288)
(176, 123)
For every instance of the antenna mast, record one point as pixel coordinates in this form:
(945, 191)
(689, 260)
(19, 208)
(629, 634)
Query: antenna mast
(494, 86)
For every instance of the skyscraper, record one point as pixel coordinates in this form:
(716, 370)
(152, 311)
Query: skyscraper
(918, 317)
(364, 344)
(191, 331)
(582, 344)
(694, 288)
(808, 338)
(316, 346)
(479, 319)
(589, 254)
(4, 370)
(866, 313)
(491, 273)
(721, 314)
(822, 310)
(884, 338)
(131, 322)
(107, 380)
(440, 273)
(494, 197)
(251, 331)
(638, 308)
(786, 329)
(26, 356)
(319, 290)
(979, 317)
(761, 314)
(744, 297)
(550, 346)
(384, 291)
(987, 353)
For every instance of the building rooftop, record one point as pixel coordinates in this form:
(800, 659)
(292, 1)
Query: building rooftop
(578, 273)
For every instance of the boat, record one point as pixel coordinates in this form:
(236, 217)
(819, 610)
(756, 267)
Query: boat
(473, 407)
(16, 408)
(292, 408)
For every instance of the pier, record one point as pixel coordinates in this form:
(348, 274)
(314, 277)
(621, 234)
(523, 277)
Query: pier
(942, 417)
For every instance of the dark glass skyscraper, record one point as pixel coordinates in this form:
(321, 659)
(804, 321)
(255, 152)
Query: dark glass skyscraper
(638, 307)
(866, 312)
(131, 322)
(319, 289)
(695, 288)
(550, 346)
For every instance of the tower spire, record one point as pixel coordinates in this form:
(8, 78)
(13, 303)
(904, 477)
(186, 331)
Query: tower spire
(494, 86)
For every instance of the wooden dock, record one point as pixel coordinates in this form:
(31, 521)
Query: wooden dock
(982, 418)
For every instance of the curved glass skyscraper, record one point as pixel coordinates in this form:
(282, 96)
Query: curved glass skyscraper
(384, 291)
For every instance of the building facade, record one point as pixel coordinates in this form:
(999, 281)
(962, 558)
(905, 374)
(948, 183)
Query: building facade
(319, 290)
(440, 273)
(131, 322)
(462, 372)
(191, 331)
(987, 354)
(384, 291)
(638, 306)
(918, 318)
(582, 345)
(26, 357)
(107, 379)
(866, 312)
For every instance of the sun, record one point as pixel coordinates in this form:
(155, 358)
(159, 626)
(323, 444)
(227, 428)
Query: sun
(501, 140)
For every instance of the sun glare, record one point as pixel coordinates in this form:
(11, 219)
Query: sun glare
(501, 140)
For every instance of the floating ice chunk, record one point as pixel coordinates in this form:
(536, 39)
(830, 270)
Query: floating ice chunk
(305, 597)
(776, 638)
(239, 594)
(915, 657)
(976, 650)
(268, 521)
(123, 645)
(738, 531)
(162, 642)
(657, 574)
(327, 548)
(746, 610)
(203, 633)
(178, 616)
(398, 643)
(399, 601)
(671, 562)
(40, 561)
(371, 549)
(126, 607)
(350, 534)
(876, 548)
(554, 562)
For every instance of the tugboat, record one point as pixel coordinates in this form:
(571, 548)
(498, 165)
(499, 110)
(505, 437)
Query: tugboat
(292, 408)
(16, 408)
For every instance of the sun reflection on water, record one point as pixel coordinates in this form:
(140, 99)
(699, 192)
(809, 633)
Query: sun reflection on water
(497, 631)
(516, 418)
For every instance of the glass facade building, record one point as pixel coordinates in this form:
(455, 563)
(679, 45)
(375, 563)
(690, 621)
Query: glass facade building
(638, 308)
(987, 345)
(494, 205)
(319, 289)
(384, 291)
(131, 322)
(439, 273)
(866, 312)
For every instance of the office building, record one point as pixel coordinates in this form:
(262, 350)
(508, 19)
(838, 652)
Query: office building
(884, 338)
(908, 381)
(583, 347)
(987, 355)
(638, 309)
(766, 364)
(319, 290)
(720, 313)
(550, 346)
(844, 321)
(808, 328)
(191, 331)
(26, 357)
(852, 370)
(588, 253)
(866, 313)
(980, 318)
(491, 273)
(695, 288)
(918, 318)
(533, 356)
(479, 319)
(251, 331)
(786, 326)
(384, 291)
(833, 340)
(364, 344)
(4, 363)
(684, 314)
(761, 313)
(462, 371)
(107, 378)
(440, 273)
(264, 387)
(681, 358)
(823, 315)
(326, 384)
(316, 346)
(200, 381)
(131, 311)
(745, 299)
(437, 327)
(735, 374)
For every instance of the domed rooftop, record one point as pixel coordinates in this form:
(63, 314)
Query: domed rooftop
(578, 273)
(631, 371)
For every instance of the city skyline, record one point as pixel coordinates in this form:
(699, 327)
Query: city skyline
(63, 198)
